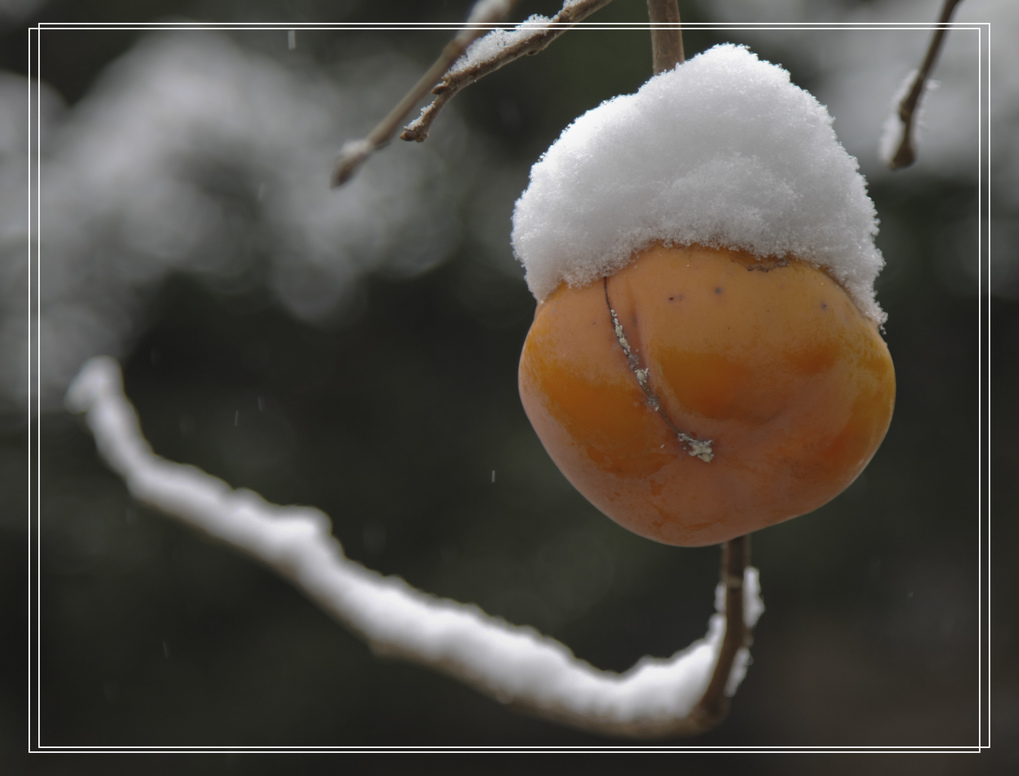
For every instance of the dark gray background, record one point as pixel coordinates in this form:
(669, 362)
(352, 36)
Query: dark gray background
(391, 415)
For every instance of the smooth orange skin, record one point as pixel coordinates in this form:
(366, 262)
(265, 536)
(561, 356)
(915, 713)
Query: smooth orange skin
(769, 359)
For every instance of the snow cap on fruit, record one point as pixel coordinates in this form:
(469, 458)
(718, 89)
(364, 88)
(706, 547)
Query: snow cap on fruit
(721, 151)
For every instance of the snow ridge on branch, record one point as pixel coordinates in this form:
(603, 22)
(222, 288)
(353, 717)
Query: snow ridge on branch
(516, 665)
(471, 55)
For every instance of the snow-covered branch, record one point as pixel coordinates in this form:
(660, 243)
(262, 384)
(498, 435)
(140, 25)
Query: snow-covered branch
(355, 152)
(498, 48)
(468, 57)
(514, 664)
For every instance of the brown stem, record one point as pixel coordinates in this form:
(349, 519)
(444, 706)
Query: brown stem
(714, 704)
(666, 35)
(905, 155)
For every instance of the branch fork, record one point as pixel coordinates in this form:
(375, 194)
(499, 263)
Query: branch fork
(445, 79)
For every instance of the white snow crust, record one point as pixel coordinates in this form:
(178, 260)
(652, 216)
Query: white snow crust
(721, 151)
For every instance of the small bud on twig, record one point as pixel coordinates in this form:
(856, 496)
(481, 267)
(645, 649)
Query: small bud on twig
(905, 154)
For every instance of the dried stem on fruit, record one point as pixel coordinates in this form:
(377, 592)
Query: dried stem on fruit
(714, 704)
(666, 35)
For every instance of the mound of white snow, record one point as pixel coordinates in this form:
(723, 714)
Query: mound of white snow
(721, 151)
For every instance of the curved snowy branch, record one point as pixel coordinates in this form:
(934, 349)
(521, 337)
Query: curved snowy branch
(516, 665)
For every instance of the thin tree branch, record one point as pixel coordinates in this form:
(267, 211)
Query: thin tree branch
(905, 154)
(516, 665)
(666, 35)
(355, 152)
(530, 37)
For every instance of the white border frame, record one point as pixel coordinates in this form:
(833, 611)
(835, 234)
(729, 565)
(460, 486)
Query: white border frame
(34, 410)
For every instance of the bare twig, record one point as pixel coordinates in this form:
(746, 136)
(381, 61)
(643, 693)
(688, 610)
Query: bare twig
(530, 40)
(905, 154)
(355, 152)
(666, 35)
(519, 666)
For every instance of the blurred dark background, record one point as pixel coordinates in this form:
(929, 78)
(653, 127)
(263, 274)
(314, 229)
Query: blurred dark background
(392, 406)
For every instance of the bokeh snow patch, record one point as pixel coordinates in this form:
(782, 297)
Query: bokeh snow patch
(194, 154)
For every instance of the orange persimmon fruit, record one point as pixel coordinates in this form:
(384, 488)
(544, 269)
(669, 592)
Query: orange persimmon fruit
(700, 394)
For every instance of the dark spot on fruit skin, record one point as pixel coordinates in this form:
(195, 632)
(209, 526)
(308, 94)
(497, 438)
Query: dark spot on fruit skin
(767, 267)
(824, 305)
(676, 298)
(718, 289)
